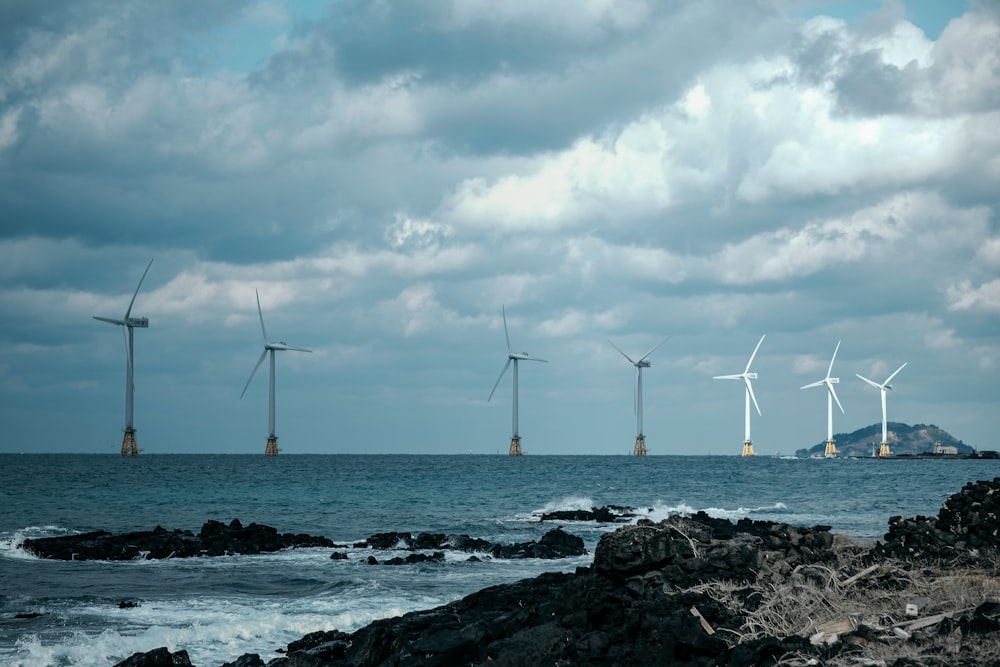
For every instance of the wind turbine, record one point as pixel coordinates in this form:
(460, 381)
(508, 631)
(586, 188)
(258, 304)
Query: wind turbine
(883, 388)
(643, 362)
(831, 396)
(271, 449)
(128, 323)
(515, 438)
(746, 376)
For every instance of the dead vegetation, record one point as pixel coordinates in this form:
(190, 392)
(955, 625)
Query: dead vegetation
(865, 605)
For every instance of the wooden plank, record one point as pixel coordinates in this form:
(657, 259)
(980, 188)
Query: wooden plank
(924, 622)
(863, 573)
(706, 626)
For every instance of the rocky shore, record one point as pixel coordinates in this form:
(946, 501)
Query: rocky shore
(702, 591)
(214, 539)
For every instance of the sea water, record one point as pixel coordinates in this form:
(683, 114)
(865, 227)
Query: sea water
(219, 608)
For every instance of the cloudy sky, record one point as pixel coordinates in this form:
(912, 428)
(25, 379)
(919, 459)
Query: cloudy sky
(389, 175)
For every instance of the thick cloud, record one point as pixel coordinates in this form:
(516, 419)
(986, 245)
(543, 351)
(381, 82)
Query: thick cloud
(389, 175)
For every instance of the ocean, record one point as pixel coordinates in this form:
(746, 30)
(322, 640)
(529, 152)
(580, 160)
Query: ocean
(220, 608)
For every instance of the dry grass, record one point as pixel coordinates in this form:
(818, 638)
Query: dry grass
(814, 599)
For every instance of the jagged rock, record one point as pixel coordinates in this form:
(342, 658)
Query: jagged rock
(436, 557)
(158, 657)
(215, 539)
(966, 528)
(606, 514)
(556, 543)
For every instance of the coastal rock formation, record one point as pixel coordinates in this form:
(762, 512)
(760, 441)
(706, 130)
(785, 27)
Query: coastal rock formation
(606, 514)
(701, 591)
(554, 544)
(966, 529)
(214, 539)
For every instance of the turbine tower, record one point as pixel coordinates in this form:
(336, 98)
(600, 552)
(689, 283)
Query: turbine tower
(883, 388)
(746, 376)
(643, 362)
(128, 323)
(831, 396)
(515, 438)
(271, 449)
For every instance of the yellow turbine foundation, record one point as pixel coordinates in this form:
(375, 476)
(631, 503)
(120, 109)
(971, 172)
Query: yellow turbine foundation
(271, 449)
(515, 446)
(640, 446)
(831, 449)
(128, 444)
(747, 448)
(883, 451)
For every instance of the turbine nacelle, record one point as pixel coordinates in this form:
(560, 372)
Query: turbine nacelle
(524, 356)
(142, 322)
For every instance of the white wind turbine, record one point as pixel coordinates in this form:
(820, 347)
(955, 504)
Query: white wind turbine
(747, 376)
(515, 438)
(128, 323)
(831, 396)
(271, 449)
(883, 388)
(643, 362)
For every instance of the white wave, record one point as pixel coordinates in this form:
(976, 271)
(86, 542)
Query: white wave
(211, 630)
(568, 504)
(12, 543)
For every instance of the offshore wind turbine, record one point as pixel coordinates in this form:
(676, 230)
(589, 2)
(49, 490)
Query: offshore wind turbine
(270, 347)
(747, 376)
(128, 323)
(831, 396)
(643, 362)
(883, 388)
(515, 438)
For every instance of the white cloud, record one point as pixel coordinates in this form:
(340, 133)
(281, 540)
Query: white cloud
(983, 298)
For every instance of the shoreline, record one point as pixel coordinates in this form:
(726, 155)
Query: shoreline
(702, 591)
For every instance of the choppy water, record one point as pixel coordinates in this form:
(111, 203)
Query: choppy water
(219, 608)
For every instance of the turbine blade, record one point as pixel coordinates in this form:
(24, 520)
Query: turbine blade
(728, 377)
(261, 314)
(505, 366)
(813, 384)
(623, 354)
(750, 389)
(747, 369)
(527, 358)
(833, 392)
(297, 349)
(871, 382)
(889, 379)
(654, 348)
(254, 371)
(503, 311)
(830, 369)
(127, 312)
(110, 320)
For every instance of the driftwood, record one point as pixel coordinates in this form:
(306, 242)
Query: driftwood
(706, 626)
(860, 575)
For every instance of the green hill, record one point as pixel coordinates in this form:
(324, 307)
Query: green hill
(902, 438)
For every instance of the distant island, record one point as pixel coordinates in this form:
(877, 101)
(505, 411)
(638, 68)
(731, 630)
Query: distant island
(904, 440)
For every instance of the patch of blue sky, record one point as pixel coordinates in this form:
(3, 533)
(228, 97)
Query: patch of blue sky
(245, 44)
(931, 16)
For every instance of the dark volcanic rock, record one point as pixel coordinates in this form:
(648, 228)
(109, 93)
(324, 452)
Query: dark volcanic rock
(215, 539)
(554, 544)
(159, 657)
(965, 530)
(628, 608)
(606, 514)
